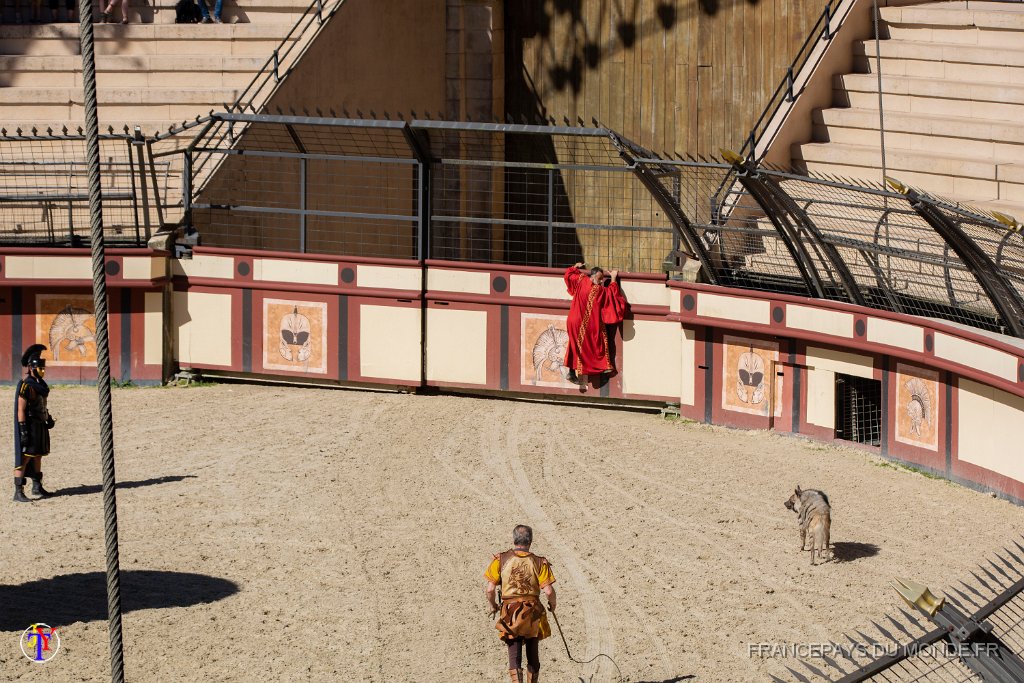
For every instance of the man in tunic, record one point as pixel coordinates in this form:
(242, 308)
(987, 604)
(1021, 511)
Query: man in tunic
(522, 621)
(32, 425)
(595, 304)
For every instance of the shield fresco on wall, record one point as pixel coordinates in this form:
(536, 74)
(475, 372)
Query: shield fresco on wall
(917, 406)
(295, 336)
(747, 370)
(65, 323)
(544, 341)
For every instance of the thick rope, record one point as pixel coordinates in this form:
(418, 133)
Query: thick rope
(99, 291)
(577, 661)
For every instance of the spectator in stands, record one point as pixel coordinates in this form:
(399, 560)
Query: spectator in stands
(70, 11)
(108, 13)
(218, 4)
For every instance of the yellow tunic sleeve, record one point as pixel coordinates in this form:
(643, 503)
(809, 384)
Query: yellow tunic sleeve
(546, 577)
(493, 573)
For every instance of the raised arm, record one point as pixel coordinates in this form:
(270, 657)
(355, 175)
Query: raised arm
(572, 277)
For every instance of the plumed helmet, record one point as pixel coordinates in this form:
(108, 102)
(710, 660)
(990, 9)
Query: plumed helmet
(33, 358)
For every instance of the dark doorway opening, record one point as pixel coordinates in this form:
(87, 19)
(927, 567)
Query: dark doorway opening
(859, 409)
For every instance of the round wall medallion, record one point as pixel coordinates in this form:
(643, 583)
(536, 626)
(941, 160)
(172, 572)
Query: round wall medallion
(348, 275)
(243, 268)
(500, 284)
(689, 302)
(929, 342)
(859, 328)
(112, 268)
(778, 314)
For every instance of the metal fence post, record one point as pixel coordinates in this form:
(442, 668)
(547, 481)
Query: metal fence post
(302, 205)
(277, 64)
(551, 218)
(186, 186)
(138, 144)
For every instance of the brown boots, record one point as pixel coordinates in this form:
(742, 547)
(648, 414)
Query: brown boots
(516, 675)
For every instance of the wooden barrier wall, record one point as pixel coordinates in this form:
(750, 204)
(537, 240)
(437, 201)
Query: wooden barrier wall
(952, 399)
(670, 75)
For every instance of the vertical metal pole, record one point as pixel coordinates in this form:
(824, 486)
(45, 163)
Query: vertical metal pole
(138, 143)
(551, 218)
(186, 186)
(99, 289)
(135, 194)
(302, 205)
(422, 220)
(157, 201)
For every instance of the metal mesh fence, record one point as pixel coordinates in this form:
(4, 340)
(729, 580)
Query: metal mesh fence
(44, 197)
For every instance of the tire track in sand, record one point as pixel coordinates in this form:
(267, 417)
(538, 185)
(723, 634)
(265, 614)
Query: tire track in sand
(505, 461)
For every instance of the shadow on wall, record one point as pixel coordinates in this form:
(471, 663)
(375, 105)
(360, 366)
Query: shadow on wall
(71, 598)
(585, 45)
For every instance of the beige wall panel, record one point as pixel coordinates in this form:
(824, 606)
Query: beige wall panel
(153, 328)
(892, 333)
(143, 267)
(203, 328)
(840, 361)
(733, 308)
(386, 277)
(389, 342)
(821, 397)
(974, 355)
(820, 320)
(457, 346)
(204, 265)
(647, 293)
(688, 367)
(538, 287)
(463, 281)
(49, 268)
(288, 270)
(990, 426)
(651, 356)
(675, 301)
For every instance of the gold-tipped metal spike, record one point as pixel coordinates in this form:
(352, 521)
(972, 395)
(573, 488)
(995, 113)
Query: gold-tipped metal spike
(1010, 222)
(896, 185)
(918, 595)
(730, 156)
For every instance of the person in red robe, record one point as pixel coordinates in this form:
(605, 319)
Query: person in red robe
(596, 302)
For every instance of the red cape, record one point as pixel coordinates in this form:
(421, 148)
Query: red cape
(593, 307)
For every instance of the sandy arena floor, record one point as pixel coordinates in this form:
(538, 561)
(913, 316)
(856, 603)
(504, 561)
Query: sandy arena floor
(288, 534)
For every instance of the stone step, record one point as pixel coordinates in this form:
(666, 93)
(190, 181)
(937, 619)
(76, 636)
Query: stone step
(942, 52)
(977, 138)
(938, 64)
(936, 173)
(989, 26)
(930, 96)
(139, 39)
(217, 71)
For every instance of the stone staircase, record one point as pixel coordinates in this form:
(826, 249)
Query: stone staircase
(152, 75)
(953, 105)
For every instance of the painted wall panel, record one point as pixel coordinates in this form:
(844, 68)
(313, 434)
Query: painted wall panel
(288, 270)
(840, 361)
(974, 355)
(732, 308)
(457, 346)
(646, 293)
(389, 342)
(143, 267)
(651, 357)
(385, 277)
(538, 287)
(688, 366)
(821, 397)
(989, 424)
(153, 328)
(204, 265)
(202, 323)
(834, 323)
(464, 281)
(892, 333)
(49, 267)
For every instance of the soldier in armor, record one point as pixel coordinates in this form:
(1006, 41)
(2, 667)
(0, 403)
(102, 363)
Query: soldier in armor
(32, 425)
(521, 576)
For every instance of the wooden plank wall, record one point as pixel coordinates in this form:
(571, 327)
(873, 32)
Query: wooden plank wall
(686, 76)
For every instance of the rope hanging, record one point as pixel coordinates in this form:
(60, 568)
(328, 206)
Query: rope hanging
(99, 292)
